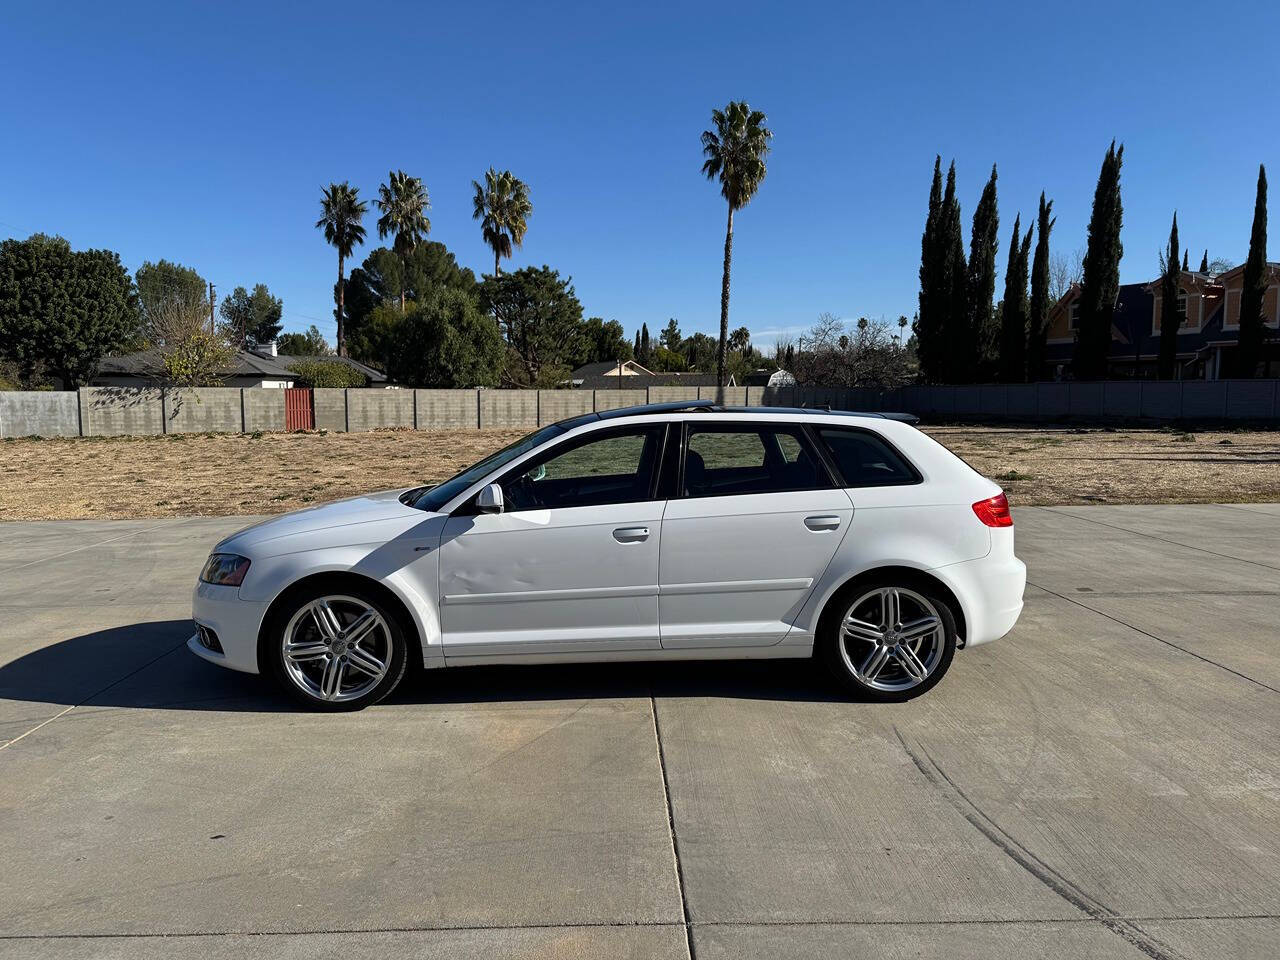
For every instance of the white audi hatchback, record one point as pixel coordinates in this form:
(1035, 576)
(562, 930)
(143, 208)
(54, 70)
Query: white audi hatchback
(669, 531)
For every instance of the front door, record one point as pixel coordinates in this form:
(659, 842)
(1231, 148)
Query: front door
(757, 520)
(571, 564)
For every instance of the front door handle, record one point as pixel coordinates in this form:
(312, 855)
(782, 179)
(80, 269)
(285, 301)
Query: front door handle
(631, 534)
(822, 523)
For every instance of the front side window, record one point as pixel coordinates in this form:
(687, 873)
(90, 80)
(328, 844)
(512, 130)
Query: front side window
(434, 498)
(864, 460)
(724, 460)
(611, 466)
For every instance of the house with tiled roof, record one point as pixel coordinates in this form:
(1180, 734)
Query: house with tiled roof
(1209, 305)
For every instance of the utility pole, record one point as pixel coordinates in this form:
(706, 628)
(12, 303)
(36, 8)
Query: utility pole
(212, 301)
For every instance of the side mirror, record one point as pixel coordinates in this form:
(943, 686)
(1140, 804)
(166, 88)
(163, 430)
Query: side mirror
(490, 499)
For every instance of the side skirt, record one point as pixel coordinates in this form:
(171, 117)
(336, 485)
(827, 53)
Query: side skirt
(795, 648)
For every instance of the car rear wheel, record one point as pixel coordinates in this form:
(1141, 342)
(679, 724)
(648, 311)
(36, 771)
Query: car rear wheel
(337, 649)
(887, 639)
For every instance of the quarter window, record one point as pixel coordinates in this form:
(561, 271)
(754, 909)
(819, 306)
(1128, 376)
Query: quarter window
(864, 460)
(724, 460)
(614, 466)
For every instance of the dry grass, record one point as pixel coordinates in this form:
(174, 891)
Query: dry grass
(206, 475)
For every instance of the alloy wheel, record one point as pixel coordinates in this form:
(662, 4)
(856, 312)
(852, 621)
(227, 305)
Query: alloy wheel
(891, 638)
(336, 648)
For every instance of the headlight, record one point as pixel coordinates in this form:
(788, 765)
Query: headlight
(225, 569)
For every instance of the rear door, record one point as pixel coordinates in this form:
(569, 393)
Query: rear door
(755, 521)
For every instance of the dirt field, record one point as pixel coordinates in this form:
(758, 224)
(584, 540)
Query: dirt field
(206, 475)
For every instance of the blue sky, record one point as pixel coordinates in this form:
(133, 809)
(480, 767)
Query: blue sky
(203, 134)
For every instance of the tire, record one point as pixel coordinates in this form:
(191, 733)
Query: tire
(887, 664)
(336, 647)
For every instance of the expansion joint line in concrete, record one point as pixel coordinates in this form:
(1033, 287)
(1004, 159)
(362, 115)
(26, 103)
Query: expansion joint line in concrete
(671, 829)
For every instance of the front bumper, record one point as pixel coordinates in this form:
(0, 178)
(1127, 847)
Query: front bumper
(235, 621)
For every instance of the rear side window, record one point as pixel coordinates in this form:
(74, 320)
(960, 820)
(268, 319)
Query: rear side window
(725, 460)
(864, 460)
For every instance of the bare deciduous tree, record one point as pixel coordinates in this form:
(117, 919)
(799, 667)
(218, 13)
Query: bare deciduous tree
(870, 354)
(1064, 270)
(193, 355)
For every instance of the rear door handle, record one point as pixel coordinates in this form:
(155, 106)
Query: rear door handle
(631, 534)
(822, 523)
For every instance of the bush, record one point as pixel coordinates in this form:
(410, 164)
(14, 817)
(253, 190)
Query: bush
(327, 373)
(446, 342)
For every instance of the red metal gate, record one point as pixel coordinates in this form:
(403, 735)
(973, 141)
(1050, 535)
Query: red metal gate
(299, 414)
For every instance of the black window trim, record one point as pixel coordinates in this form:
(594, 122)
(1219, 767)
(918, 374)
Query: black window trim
(468, 507)
(816, 430)
(814, 449)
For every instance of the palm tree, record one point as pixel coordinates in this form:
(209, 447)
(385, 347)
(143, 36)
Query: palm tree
(341, 211)
(503, 208)
(402, 200)
(734, 150)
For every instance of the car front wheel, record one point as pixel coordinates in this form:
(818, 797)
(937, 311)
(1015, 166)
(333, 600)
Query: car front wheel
(337, 649)
(887, 640)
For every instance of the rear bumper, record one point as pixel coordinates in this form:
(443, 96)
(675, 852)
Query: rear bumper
(990, 592)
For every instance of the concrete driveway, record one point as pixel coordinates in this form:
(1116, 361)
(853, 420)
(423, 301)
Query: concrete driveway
(1105, 782)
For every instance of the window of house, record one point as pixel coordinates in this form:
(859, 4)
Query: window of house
(1182, 308)
(1073, 315)
(724, 460)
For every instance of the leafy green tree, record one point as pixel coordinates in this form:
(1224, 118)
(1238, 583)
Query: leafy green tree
(251, 319)
(934, 295)
(955, 338)
(670, 336)
(1100, 282)
(428, 268)
(734, 151)
(668, 361)
(1249, 344)
(645, 356)
(983, 344)
(403, 201)
(341, 218)
(315, 372)
(375, 340)
(309, 343)
(446, 342)
(604, 340)
(1169, 319)
(1013, 310)
(62, 311)
(503, 207)
(165, 282)
(1038, 309)
(540, 317)
(701, 352)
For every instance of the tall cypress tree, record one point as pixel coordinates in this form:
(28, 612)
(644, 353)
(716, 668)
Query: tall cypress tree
(928, 323)
(952, 330)
(645, 347)
(1100, 282)
(1249, 346)
(1185, 261)
(1038, 310)
(1204, 261)
(984, 245)
(1013, 314)
(1169, 320)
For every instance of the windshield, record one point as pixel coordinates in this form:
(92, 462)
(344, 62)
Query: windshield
(434, 498)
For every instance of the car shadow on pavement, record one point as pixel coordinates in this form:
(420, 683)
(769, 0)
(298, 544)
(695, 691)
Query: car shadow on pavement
(147, 665)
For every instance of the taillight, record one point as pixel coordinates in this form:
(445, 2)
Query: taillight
(994, 512)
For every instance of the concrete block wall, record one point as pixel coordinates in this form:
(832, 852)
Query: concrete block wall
(39, 413)
(203, 410)
(508, 409)
(379, 409)
(447, 409)
(114, 411)
(121, 411)
(330, 405)
(262, 410)
(556, 405)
